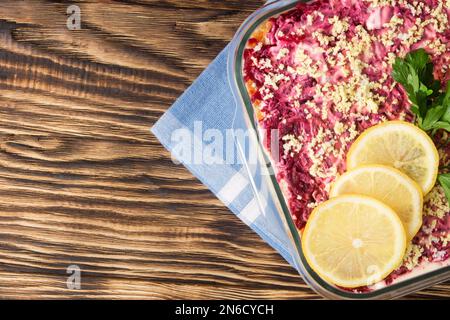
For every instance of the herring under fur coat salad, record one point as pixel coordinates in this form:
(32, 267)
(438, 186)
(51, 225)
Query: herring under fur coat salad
(327, 70)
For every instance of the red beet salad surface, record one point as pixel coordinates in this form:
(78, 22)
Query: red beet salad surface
(321, 74)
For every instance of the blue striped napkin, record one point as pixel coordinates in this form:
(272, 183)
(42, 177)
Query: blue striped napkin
(206, 108)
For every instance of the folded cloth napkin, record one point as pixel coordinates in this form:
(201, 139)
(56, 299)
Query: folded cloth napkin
(207, 108)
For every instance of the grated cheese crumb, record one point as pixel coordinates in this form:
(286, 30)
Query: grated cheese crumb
(412, 256)
(282, 53)
(436, 203)
(292, 144)
(339, 128)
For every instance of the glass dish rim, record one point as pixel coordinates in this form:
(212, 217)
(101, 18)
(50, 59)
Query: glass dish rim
(242, 98)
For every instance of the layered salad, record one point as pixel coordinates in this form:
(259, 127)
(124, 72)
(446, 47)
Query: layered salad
(320, 75)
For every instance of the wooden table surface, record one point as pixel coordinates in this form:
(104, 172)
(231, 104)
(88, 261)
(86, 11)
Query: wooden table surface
(84, 182)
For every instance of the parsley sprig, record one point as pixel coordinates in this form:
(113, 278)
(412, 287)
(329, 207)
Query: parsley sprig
(444, 180)
(429, 103)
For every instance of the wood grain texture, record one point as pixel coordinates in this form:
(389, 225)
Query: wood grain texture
(83, 181)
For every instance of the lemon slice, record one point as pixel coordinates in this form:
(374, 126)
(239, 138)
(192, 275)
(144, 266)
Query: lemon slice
(353, 241)
(388, 185)
(400, 145)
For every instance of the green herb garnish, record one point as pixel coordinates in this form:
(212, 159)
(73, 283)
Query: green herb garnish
(429, 103)
(444, 180)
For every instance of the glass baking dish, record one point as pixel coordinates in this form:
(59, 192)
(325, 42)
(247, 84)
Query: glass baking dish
(245, 119)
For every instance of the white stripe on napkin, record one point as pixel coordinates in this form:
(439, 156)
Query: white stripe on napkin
(231, 190)
(253, 210)
(250, 213)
